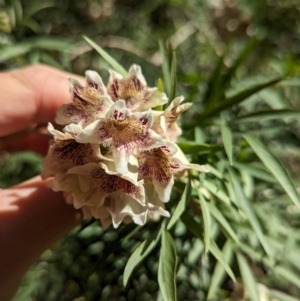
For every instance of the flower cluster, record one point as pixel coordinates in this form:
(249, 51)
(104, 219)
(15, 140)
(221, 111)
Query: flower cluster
(116, 157)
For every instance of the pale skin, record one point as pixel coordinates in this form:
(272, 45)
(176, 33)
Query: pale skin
(32, 216)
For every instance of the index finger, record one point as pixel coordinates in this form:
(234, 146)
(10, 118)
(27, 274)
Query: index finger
(31, 96)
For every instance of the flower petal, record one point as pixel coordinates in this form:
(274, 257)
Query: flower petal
(133, 89)
(106, 184)
(89, 102)
(120, 206)
(172, 114)
(122, 132)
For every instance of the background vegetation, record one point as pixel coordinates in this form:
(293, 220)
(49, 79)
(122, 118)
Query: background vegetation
(236, 229)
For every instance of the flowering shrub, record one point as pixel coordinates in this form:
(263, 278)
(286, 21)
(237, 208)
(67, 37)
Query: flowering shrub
(116, 157)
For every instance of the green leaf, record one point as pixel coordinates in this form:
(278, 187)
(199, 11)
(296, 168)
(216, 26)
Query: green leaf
(206, 221)
(47, 43)
(249, 211)
(190, 147)
(181, 205)
(195, 228)
(14, 50)
(238, 98)
(247, 50)
(287, 274)
(282, 296)
(139, 254)
(275, 167)
(160, 85)
(227, 140)
(219, 272)
(167, 267)
(223, 222)
(256, 172)
(218, 254)
(18, 9)
(110, 60)
(213, 90)
(173, 76)
(219, 193)
(165, 66)
(268, 114)
(248, 278)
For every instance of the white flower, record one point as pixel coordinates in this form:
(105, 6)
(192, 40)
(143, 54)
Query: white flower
(170, 116)
(122, 132)
(65, 152)
(158, 166)
(89, 102)
(133, 89)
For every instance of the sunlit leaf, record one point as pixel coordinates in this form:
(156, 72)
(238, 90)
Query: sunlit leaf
(238, 97)
(287, 274)
(223, 222)
(219, 272)
(195, 228)
(139, 254)
(248, 278)
(275, 167)
(173, 77)
(206, 221)
(181, 205)
(190, 147)
(167, 267)
(218, 254)
(227, 140)
(219, 193)
(110, 60)
(165, 66)
(268, 114)
(282, 296)
(256, 172)
(249, 211)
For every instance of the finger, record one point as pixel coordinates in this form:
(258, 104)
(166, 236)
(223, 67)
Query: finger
(32, 218)
(31, 95)
(34, 142)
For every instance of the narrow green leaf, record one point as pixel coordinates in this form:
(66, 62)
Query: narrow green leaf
(195, 228)
(181, 205)
(14, 50)
(227, 140)
(167, 267)
(223, 222)
(247, 50)
(110, 60)
(275, 167)
(256, 172)
(238, 98)
(248, 278)
(218, 254)
(219, 272)
(160, 85)
(216, 191)
(268, 114)
(139, 254)
(287, 274)
(18, 9)
(165, 66)
(206, 221)
(190, 147)
(173, 76)
(249, 211)
(213, 90)
(282, 296)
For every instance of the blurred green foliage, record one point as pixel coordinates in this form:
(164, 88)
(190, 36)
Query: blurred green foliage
(239, 218)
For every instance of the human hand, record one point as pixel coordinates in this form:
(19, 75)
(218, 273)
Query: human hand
(32, 216)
